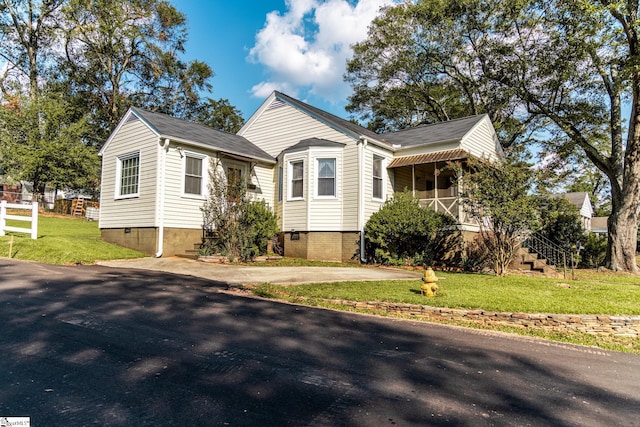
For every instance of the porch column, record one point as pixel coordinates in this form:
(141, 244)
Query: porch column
(413, 180)
(458, 192)
(436, 172)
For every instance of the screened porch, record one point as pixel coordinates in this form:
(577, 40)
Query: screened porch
(431, 179)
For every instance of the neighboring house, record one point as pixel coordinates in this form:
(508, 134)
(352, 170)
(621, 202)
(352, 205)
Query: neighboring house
(23, 193)
(599, 225)
(10, 193)
(581, 201)
(324, 176)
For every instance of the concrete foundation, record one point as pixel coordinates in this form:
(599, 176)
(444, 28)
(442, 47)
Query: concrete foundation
(322, 245)
(144, 239)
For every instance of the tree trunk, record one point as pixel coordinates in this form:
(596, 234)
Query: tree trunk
(623, 229)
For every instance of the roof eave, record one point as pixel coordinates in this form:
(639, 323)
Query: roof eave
(218, 149)
(427, 144)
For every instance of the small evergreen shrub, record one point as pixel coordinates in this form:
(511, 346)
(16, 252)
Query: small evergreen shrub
(403, 233)
(594, 251)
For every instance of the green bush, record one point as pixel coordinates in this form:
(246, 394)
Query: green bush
(402, 232)
(262, 225)
(560, 223)
(240, 228)
(594, 251)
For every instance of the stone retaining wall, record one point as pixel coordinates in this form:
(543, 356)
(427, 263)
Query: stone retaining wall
(623, 326)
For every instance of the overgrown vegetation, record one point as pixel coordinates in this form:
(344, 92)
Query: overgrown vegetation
(240, 228)
(497, 196)
(594, 251)
(404, 233)
(63, 240)
(560, 223)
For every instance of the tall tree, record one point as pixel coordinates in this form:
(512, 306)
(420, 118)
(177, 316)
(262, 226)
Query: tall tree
(554, 71)
(27, 28)
(123, 53)
(219, 115)
(41, 142)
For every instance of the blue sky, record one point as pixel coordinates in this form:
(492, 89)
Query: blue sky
(296, 46)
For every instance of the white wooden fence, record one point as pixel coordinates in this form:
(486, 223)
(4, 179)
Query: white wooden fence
(33, 218)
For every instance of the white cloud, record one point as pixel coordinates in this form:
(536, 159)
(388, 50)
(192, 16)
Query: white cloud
(305, 48)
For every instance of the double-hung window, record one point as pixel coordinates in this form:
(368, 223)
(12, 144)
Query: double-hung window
(193, 175)
(326, 177)
(297, 179)
(128, 175)
(378, 181)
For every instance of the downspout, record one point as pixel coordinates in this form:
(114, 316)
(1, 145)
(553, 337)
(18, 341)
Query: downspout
(161, 179)
(361, 167)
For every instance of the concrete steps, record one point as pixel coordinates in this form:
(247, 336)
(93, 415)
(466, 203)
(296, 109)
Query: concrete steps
(531, 261)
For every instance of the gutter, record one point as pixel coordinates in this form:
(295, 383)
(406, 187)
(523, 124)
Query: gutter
(161, 178)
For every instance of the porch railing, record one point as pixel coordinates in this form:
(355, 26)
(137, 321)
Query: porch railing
(451, 206)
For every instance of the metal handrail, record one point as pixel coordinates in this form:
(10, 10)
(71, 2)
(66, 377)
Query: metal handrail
(548, 250)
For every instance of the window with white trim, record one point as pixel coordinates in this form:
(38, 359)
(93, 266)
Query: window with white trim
(326, 177)
(296, 170)
(128, 175)
(193, 175)
(378, 178)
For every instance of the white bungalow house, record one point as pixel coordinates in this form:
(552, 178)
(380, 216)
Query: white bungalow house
(323, 175)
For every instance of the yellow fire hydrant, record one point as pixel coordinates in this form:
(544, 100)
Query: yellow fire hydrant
(429, 280)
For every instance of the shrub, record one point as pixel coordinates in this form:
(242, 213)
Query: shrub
(560, 223)
(594, 251)
(242, 227)
(402, 232)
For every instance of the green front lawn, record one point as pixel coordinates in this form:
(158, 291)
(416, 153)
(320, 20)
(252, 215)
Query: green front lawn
(591, 293)
(596, 294)
(62, 240)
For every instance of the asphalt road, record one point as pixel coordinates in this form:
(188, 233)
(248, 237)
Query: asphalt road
(93, 345)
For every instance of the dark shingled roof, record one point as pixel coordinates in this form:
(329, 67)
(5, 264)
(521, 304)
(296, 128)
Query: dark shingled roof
(453, 130)
(330, 118)
(183, 130)
(314, 142)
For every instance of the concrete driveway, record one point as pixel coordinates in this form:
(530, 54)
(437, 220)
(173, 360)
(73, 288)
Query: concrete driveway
(243, 275)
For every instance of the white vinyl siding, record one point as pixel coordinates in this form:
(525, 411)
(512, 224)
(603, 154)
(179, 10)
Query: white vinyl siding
(182, 210)
(482, 141)
(279, 128)
(140, 211)
(372, 204)
(325, 210)
(262, 177)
